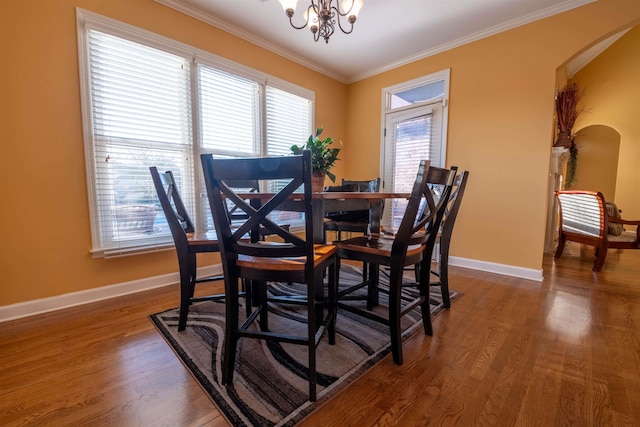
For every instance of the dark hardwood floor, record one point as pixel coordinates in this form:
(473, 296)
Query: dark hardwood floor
(510, 352)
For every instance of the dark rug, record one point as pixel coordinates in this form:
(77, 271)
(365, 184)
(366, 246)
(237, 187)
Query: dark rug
(269, 385)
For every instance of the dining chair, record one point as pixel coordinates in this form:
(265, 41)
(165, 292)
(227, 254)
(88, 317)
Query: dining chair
(412, 244)
(187, 242)
(294, 259)
(443, 240)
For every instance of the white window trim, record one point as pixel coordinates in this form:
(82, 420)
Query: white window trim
(445, 76)
(86, 20)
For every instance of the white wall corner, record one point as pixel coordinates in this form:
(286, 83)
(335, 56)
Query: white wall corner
(492, 267)
(59, 302)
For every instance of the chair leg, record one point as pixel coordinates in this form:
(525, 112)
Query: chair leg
(312, 327)
(372, 288)
(264, 305)
(425, 287)
(601, 254)
(187, 267)
(248, 300)
(444, 276)
(231, 328)
(561, 241)
(333, 302)
(395, 288)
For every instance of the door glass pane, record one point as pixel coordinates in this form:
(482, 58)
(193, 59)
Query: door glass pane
(411, 142)
(417, 95)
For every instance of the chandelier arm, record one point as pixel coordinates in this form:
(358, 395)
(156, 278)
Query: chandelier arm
(339, 15)
(289, 13)
(351, 21)
(346, 13)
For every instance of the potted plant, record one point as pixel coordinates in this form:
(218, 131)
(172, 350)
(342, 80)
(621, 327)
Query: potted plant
(323, 158)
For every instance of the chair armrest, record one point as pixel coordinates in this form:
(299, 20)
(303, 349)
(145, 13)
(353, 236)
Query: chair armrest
(624, 221)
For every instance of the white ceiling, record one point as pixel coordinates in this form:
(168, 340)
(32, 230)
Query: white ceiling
(388, 33)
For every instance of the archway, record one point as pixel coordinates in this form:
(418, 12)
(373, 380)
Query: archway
(607, 71)
(598, 154)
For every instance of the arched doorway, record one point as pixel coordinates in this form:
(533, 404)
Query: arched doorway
(597, 162)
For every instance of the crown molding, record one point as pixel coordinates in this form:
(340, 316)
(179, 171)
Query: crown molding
(514, 23)
(509, 25)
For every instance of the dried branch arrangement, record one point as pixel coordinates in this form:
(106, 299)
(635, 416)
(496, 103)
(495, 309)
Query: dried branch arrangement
(567, 111)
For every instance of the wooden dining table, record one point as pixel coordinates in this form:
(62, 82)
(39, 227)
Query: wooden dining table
(339, 201)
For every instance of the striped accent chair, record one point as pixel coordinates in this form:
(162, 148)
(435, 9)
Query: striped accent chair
(584, 219)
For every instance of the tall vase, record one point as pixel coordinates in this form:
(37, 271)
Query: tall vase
(317, 181)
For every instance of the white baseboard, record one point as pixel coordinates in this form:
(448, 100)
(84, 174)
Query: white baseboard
(59, 302)
(44, 305)
(492, 267)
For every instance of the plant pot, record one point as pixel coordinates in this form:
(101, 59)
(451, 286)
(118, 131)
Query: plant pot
(317, 181)
(563, 140)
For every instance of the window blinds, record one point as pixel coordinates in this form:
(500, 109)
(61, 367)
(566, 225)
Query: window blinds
(147, 103)
(141, 118)
(288, 121)
(229, 113)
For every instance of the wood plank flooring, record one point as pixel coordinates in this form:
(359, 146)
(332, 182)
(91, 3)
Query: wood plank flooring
(510, 352)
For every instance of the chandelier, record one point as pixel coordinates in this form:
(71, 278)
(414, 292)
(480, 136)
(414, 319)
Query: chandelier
(322, 16)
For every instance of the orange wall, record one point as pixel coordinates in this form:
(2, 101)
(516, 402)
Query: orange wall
(500, 126)
(598, 152)
(45, 218)
(500, 118)
(611, 85)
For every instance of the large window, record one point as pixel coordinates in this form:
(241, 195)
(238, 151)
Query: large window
(414, 129)
(150, 101)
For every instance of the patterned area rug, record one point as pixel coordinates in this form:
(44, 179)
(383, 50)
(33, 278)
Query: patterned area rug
(269, 386)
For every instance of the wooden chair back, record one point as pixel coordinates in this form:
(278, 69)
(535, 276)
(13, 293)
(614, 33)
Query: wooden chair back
(453, 206)
(432, 204)
(444, 238)
(293, 172)
(245, 186)
(173, 207)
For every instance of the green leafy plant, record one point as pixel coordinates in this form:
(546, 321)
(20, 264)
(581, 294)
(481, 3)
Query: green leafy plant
(572, 165)
(323, 157)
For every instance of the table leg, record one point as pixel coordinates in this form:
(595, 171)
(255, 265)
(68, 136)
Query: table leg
(318, 221)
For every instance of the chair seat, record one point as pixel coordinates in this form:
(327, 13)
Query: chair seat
(322, 253)
(376, 244)
(625, 236)
(203, 241)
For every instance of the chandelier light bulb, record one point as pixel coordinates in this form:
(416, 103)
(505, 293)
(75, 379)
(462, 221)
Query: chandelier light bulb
(288, 5)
